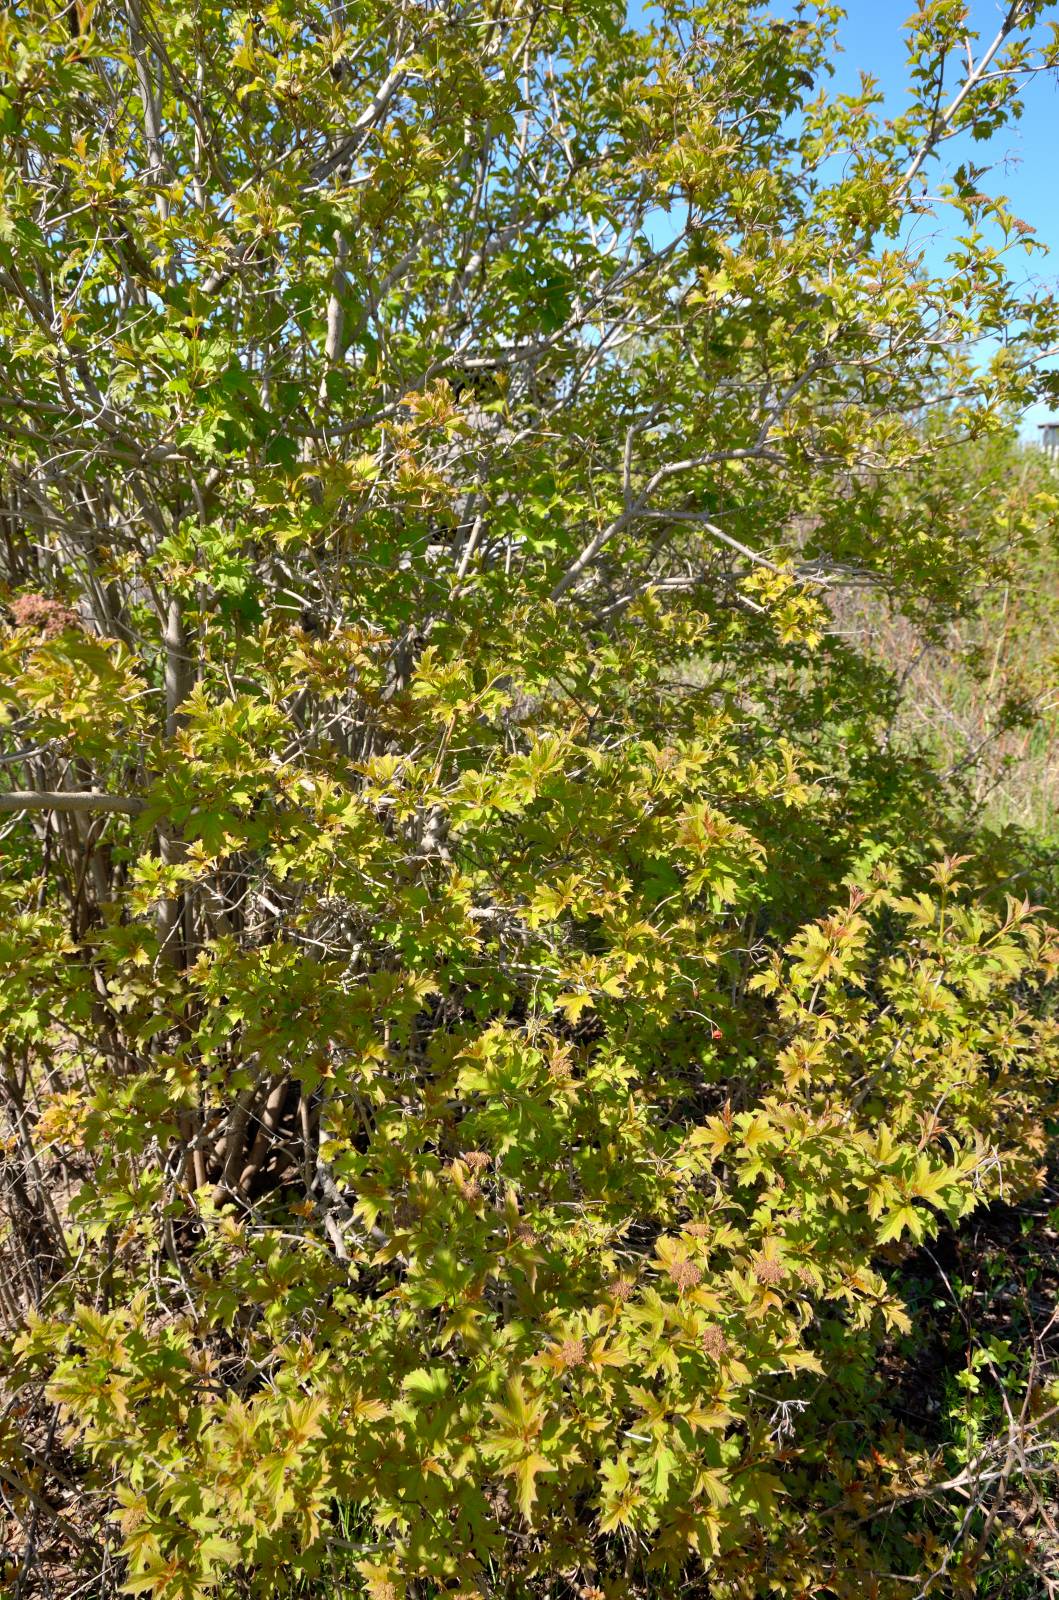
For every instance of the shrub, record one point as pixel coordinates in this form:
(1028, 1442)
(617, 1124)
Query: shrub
(483, 1003)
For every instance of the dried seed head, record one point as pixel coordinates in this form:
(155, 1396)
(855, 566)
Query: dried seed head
(468, 1187)
(621, 1289)
(685, 1274)
(714, 1342)
(572, 1352)
(698, 1230)
(477, 1160)
(50, 617)
(768, 1270)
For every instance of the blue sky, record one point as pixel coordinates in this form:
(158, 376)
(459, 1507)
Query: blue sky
(1025, 156)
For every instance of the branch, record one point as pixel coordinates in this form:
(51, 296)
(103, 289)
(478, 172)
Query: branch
(70, 800)
(938, 127)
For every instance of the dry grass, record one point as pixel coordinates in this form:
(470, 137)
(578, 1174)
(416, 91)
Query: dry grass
(982, 700)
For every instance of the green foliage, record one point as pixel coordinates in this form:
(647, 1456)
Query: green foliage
(486, 1006)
